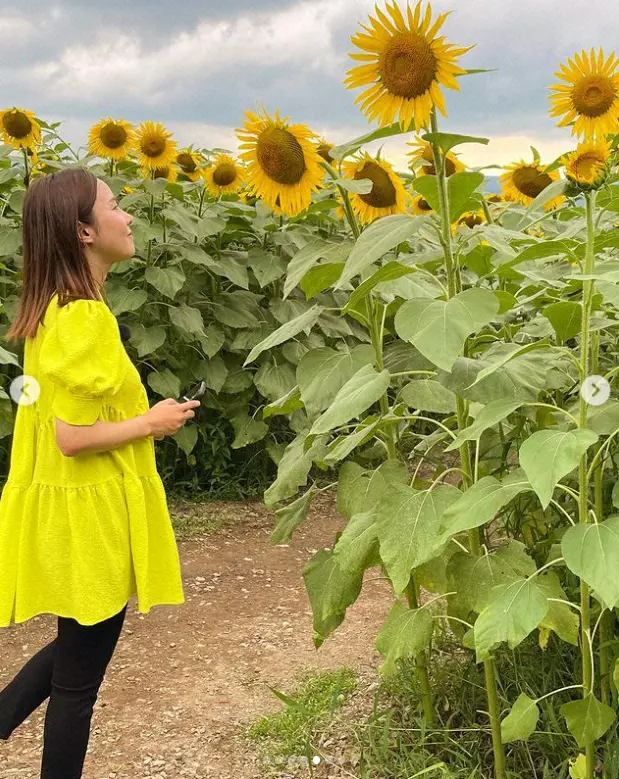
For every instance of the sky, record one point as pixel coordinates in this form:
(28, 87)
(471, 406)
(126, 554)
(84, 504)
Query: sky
(198, 65)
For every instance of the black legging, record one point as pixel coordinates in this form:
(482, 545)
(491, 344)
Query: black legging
(69, 671)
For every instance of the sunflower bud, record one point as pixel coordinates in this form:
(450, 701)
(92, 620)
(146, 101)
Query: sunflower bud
(588, 167)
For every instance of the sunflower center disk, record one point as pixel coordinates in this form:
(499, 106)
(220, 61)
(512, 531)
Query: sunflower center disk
(162, 173)
(594, 95)
(186, 162)
(407, 66)
(424, 205)
(16, 124)
(153, 147)
(280, 155)
(530, 181)
(587, 167)
(383, 193)
(224, 174)
(113, 136)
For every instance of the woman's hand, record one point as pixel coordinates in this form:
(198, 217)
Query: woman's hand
(168, 416)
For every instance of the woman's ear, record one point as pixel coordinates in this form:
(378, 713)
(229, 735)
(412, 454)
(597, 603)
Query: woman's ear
(84, 232)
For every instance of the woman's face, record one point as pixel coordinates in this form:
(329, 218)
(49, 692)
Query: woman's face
(111, 239)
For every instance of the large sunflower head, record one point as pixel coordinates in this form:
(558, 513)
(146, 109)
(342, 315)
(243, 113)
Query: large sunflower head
(19, 128)
(387, 195)
(588, 167)
(323, 148)
(283, 161)
(224, 175)
(422, 159)
(420, 206)
(405, 64)
(189, 162)
(112, 139)
(155, 146)
(590, 98)
(524, 181)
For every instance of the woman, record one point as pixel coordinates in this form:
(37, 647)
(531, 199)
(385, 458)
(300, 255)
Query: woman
(84, 523)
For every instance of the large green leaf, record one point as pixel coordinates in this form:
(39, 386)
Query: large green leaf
(358, 489)
(521, 720)
(331, 591)
(406, 633)
(308, 256)
(267, 267)
(481, 503)
(408, 523)
(320, 277)
(428, 395)
(358, 394)
(565, 318)
(591, 551)
(288, 518)
(388, 272)
(343, 445)
(355, 548)
(587, 719)
(346, 149)
(293, 468)
(247, 430)
(514, 610)
(304, 321)
(376, 240)
(321, 373)
(274, 381)
(490, 415)
(439, 329)
(548, 455)
(560, 618)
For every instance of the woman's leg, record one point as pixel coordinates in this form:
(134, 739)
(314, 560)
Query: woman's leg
(27, 691)
(81, 659)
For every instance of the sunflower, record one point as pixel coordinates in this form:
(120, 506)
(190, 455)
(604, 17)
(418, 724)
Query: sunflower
(422, 157)
(523, 182)
(387, 195)
(471, 219)
(590, 99)
(168, 172)
(20, 129)
(588, 166)
(112, 139)
(420, 206)
(494, 198)
(154, 145)
(283, 161)
(405, 64)
(323, 148)
(189, 161)
(224, 175)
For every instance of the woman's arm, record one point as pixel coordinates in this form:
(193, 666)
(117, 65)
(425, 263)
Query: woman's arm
(100, 437)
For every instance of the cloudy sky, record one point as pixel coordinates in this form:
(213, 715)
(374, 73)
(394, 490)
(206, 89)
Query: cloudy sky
(197, 65)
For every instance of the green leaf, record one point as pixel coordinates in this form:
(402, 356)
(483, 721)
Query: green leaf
(358, 394)
(553, 190)
(247, 430)
(274, 381)
(168, 281)
(461, 186)
(267, 267)
(331, 591)
(287, 404)
(408, 523)
(232, 268)
(388, 272)
(560, 617)
(548, 455)
(212, 340)
(565, 318)
(321, 277)
(591, 551)
(216, 374)
(521, 720)
(308, 256)
(514, 610)
(288, 330)
(376, 240)
(587, 719)
(288, 518)
(427, 187)
(509, 352)
(428, 395)
(356, 546)
(342, 446)
(481, 503)
(358, 489)
(406, 633)
(439, 329)
(293, 469)
(490, 415)
(604, 419)
(187, 318)
(447, 141)
(322, 372)
(346, 149)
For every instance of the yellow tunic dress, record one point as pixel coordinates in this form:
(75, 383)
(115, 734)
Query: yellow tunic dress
(80, 535)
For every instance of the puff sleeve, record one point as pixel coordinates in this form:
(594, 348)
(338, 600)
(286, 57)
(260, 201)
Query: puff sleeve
(82, 357)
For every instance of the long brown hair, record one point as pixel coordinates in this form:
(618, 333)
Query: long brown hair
(53, 257)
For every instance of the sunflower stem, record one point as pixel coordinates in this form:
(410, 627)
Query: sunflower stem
(26, 169)
(421, 662)
(583, 514)
(475, 535)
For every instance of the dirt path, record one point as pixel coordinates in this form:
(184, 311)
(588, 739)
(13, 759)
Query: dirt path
(184, 680)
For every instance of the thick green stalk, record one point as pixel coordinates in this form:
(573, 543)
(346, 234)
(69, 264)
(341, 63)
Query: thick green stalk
(27, 169)
(583, 516)
(453, 287)
(423, 677)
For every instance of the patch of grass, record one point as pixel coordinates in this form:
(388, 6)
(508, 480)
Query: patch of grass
(197, 518)
(285, 738)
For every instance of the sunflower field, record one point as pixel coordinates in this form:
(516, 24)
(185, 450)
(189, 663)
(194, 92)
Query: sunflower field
(443, 359)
